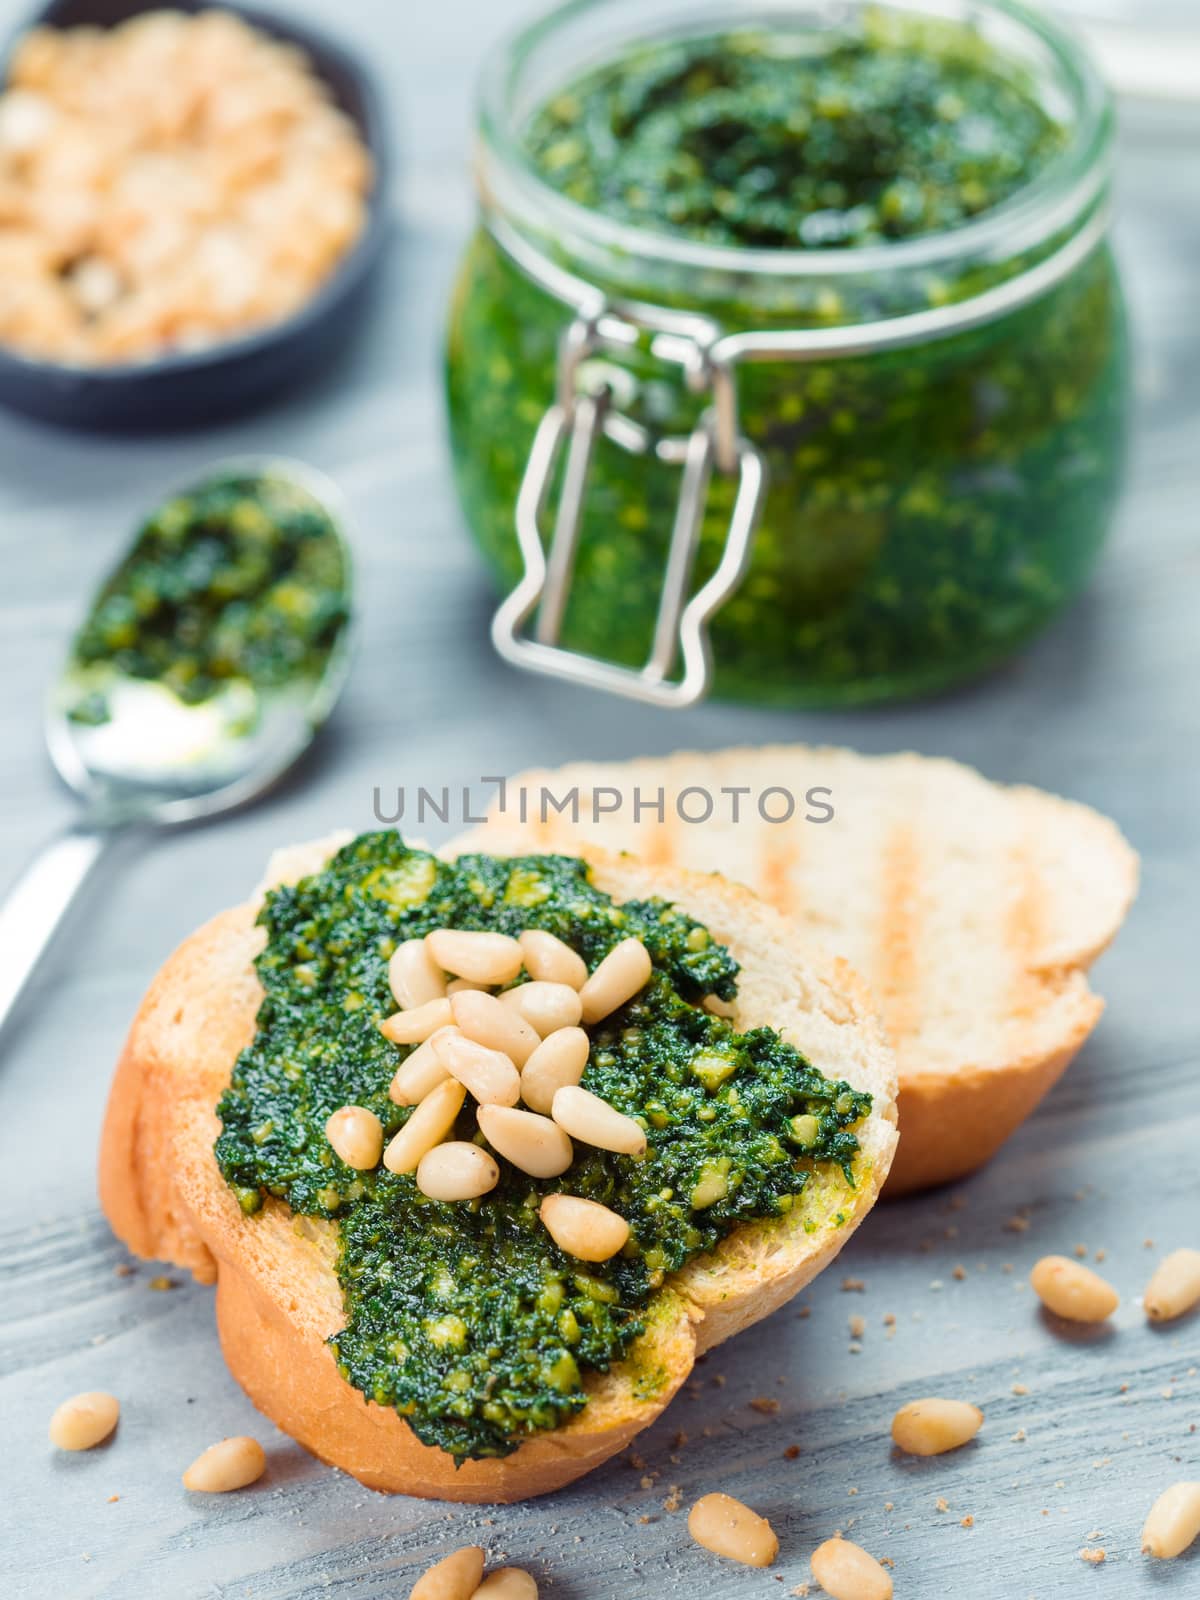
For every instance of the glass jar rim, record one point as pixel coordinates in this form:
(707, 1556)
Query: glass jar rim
(1061, 194)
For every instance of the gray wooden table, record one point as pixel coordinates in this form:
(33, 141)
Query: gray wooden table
(1081, 1434)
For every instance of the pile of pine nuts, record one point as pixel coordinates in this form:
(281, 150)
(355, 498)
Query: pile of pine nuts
(525, 1044)
(460, 1577)
(165, 184)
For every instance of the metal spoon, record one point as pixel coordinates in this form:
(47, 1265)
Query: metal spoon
(157, 761)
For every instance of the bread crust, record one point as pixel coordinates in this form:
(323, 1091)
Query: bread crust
(278, 1299)
(973, 910)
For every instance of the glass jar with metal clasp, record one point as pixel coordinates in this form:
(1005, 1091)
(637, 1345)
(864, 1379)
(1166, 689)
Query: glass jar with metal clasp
(793, 475)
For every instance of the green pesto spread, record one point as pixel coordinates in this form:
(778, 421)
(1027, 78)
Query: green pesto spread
(242, 581)
(762, 140)
(467, 1318)
(928, 509)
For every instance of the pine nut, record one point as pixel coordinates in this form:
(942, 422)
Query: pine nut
(583, 1228)
(231, 1464)
(548, 959)
(546, 1007)
(1173, 1523)
(507, 1583)
(488, 1074)
(356, 1134)
(624, 970)
(728, 1528)
(413, 976)
(491, 958)
(557, 1063)
(931, 1427)
(846, 1572)
(481, 1017)
(428, 1125)
(462, 985)
(1175, 1286)
(455, 1578)
(1073, 1291)
(85, 1420)
(414, 1027)
(593, 1121)
(420, 1073)
(456, 1171)
(535, 1144)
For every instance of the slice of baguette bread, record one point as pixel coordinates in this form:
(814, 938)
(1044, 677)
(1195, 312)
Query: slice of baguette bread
(972, 910)
(278, 1298)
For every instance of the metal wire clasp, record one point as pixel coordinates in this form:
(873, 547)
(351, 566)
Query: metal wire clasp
(581, 414)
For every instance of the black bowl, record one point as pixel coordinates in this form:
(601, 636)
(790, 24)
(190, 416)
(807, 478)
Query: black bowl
(208, 385)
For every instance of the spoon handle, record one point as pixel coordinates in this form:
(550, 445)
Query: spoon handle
(35, 905)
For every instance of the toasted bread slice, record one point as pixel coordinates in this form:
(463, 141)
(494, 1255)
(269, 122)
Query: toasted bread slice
(973, 911)
(278, 1298)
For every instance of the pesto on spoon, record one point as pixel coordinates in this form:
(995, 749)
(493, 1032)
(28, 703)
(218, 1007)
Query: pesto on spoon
(207, 662)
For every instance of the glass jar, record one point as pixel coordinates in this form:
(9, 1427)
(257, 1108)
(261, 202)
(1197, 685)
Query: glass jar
(873, 471)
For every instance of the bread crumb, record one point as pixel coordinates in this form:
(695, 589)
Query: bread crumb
(1018, 1223)
(943, 1505)
(765, 1404)
(1094, 1557)
(674, 1498)
(854, 1348)
(959, 1273)
(1019, 1436)
(792, 1451)
(113, 1498)
(719, 1380)
(645, 1519)
(1019, 1388)
(163, 1283)
(647, 1482)
(967, 1522)
(124, 1269)
(1081, 1251)
(858, 1326)
(888, 1505)
(680, 1440)
(852, 1490)
(1147, 1244)
(802, 1591)
(1168, 1393)
(1102, 1254)
(636, 1462)
(804, 1313)
(854, 1286)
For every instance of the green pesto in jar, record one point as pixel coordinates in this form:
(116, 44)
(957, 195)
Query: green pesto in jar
(764, 140)
(240, 582)
(928, 509)
(467, 1318)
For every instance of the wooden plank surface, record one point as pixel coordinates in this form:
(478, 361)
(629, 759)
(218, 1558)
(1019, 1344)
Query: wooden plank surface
(1104, 708)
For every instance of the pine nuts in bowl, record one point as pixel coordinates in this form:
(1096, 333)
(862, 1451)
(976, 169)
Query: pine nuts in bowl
(192, 204)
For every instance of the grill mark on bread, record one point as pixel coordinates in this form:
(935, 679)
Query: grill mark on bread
(1025, 932)
(896, 971)
(778, 871)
